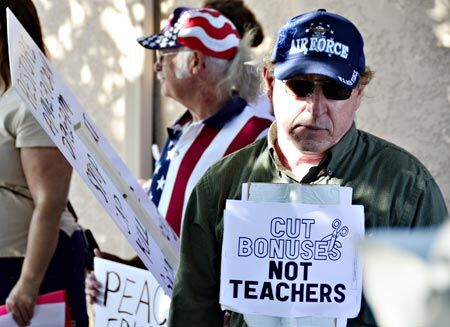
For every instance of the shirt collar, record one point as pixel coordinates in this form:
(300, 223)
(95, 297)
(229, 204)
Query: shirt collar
(174, 130)
(233, 107)
(271, 140)
(339, 151)
(330, 161)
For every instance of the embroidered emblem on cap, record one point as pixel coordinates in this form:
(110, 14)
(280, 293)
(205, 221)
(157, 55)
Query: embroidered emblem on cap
(319, 30)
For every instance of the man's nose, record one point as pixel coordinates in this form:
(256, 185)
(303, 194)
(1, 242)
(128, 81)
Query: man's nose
(317, 101)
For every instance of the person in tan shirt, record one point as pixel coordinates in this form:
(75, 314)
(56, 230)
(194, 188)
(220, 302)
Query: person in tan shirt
(41, 246)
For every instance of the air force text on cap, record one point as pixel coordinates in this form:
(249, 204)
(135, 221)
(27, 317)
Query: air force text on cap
(319, 43)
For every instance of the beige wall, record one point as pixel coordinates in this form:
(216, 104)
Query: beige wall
(92, 45)
(408, 45)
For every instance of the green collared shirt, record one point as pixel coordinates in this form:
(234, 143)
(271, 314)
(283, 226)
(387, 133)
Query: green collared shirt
(392, 185)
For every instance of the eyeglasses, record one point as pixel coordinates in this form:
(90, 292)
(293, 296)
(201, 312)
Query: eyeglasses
(303, 88)
(161, 54)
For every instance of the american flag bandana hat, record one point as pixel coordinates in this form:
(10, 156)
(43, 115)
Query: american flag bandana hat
(203, 29)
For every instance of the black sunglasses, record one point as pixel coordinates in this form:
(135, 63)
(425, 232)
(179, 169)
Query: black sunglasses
(331, 90)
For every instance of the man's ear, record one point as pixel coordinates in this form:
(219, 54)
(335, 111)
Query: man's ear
(268, 82)
(359, 94)
(196, 62)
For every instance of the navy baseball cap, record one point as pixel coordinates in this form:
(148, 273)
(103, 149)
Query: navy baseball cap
(322, 43)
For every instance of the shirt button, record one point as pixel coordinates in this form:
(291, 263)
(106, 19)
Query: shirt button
(329, 172)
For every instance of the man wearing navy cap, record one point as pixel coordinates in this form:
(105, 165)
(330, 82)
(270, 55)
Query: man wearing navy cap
(319, 76)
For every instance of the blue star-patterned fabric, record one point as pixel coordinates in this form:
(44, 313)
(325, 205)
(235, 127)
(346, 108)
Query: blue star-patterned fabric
(233, 107)
(167, 38)
(162, 165)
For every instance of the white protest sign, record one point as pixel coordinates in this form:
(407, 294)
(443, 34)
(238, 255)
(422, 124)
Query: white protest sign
(48, 315)
(128, 297)
(291, 260)
(87, 150)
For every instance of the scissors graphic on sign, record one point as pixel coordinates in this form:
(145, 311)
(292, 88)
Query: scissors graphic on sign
(343, 231)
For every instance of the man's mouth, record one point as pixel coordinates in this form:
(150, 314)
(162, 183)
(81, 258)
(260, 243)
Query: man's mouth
(310, 127)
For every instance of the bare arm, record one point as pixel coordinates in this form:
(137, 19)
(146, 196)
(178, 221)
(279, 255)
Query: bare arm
(48, 177)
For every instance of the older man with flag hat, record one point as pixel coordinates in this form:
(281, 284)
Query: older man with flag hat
(202, 63)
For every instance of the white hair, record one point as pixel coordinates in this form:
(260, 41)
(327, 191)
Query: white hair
(241, 75)
(229, 76)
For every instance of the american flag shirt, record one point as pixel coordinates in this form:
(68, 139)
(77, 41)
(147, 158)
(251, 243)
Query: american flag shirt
(192, 147)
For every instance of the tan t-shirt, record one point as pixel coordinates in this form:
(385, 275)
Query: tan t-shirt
(18, 129)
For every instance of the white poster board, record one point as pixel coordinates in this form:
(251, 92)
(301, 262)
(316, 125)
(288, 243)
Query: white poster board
(87, 150)
(128, 297)
(291, 260)
(49, 315)
(50, 311)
